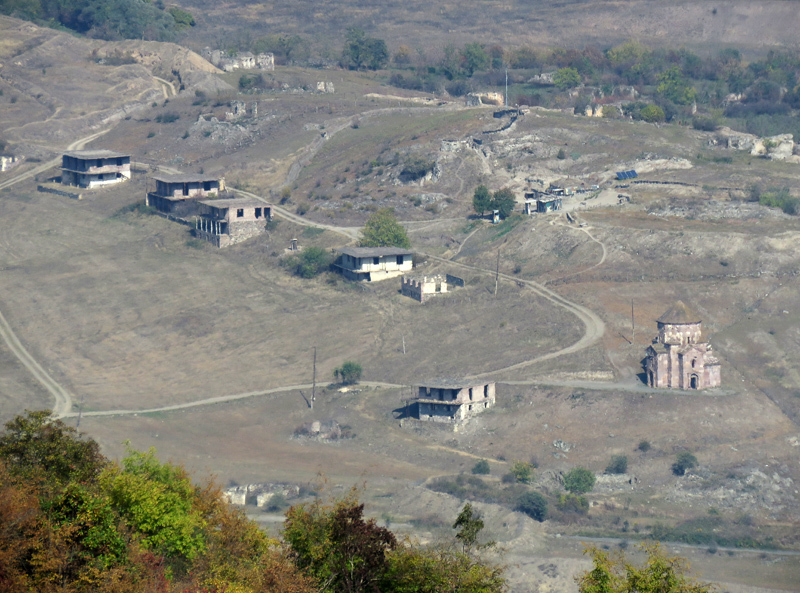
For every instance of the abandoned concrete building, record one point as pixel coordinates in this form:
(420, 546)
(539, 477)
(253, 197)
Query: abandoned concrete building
(227, 222)
(543, 204)
(176, 194)
(372, 264)
(678, 359)
(422, 288)
(453, 401)
(94, 168)
(242, 60)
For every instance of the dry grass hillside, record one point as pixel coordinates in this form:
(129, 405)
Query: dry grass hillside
(206, 354)
(755, 26)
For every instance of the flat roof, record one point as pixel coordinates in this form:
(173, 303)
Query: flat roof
(453, 383)
(95, 154)
(185, 178)
(374, 251)
(233, 203)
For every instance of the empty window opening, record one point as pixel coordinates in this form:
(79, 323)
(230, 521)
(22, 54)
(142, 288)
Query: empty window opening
(399, 260)
(376, 261)
(206, 186)
(470, 395)
(258, 212)
(694, 360)
(185, 189)
(239, 212)
(485, 391)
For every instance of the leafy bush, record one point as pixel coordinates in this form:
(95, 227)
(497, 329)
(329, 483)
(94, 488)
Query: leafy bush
(780, 198)
(308, 263)
(643, 446)
(534, 505)
(573, 503)
(522, 472)
(349, 373)
(683, 461)
(482, 467)
(167, 118)
(653, 114)
(579, 480)
(705, 124)
(618, 465)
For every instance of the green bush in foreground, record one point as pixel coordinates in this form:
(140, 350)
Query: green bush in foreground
(579, 480)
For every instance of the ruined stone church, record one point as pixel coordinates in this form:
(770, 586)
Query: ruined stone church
(678, 358)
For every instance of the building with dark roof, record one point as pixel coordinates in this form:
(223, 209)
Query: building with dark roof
(94, 168)
(678, 358)
(372, 264)
(172, 192)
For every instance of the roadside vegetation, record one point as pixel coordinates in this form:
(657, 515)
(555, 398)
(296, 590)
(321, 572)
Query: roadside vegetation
(75, 521)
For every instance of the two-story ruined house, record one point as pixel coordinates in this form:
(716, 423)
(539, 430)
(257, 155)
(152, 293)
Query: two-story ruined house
(173, 193)
(373, 263)
(227, 222)
(94, 168)
(453, 401)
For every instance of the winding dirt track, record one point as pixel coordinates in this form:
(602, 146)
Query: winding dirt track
(63, 399)
(593, 325)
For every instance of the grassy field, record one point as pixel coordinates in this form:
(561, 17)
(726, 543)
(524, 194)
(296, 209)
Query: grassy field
(128, 312)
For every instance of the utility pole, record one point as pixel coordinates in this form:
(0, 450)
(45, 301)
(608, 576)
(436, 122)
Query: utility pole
(404, 344)
(314, 381)
(497, 272)
(506, 86)
(80, 411)
(633, 325)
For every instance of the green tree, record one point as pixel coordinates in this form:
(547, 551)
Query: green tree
(481, 467)
(362, 52)
(673, 86)
(522, 471)
(579, 480)
(683, 461)
(474, 58)
(469, 525)
(566, 78)
(660, 573)
(617, 465)
(504, 201)
(481, 199)
(333, 543)
(156, 499)
(652, 114)
(383, 230)
(36, 445)
(349, 373)
(533, 504)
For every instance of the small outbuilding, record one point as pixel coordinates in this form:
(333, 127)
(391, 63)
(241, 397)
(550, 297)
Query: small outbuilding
(421, 288)
(372, 264)
(227, 222)
(174, 191)
(94, 168)
(453, 401)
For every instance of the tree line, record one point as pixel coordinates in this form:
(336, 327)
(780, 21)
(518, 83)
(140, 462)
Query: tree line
(74, 521)
(105, 19)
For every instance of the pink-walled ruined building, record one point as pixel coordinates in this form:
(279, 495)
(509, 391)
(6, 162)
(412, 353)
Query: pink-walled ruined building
(678, 359)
